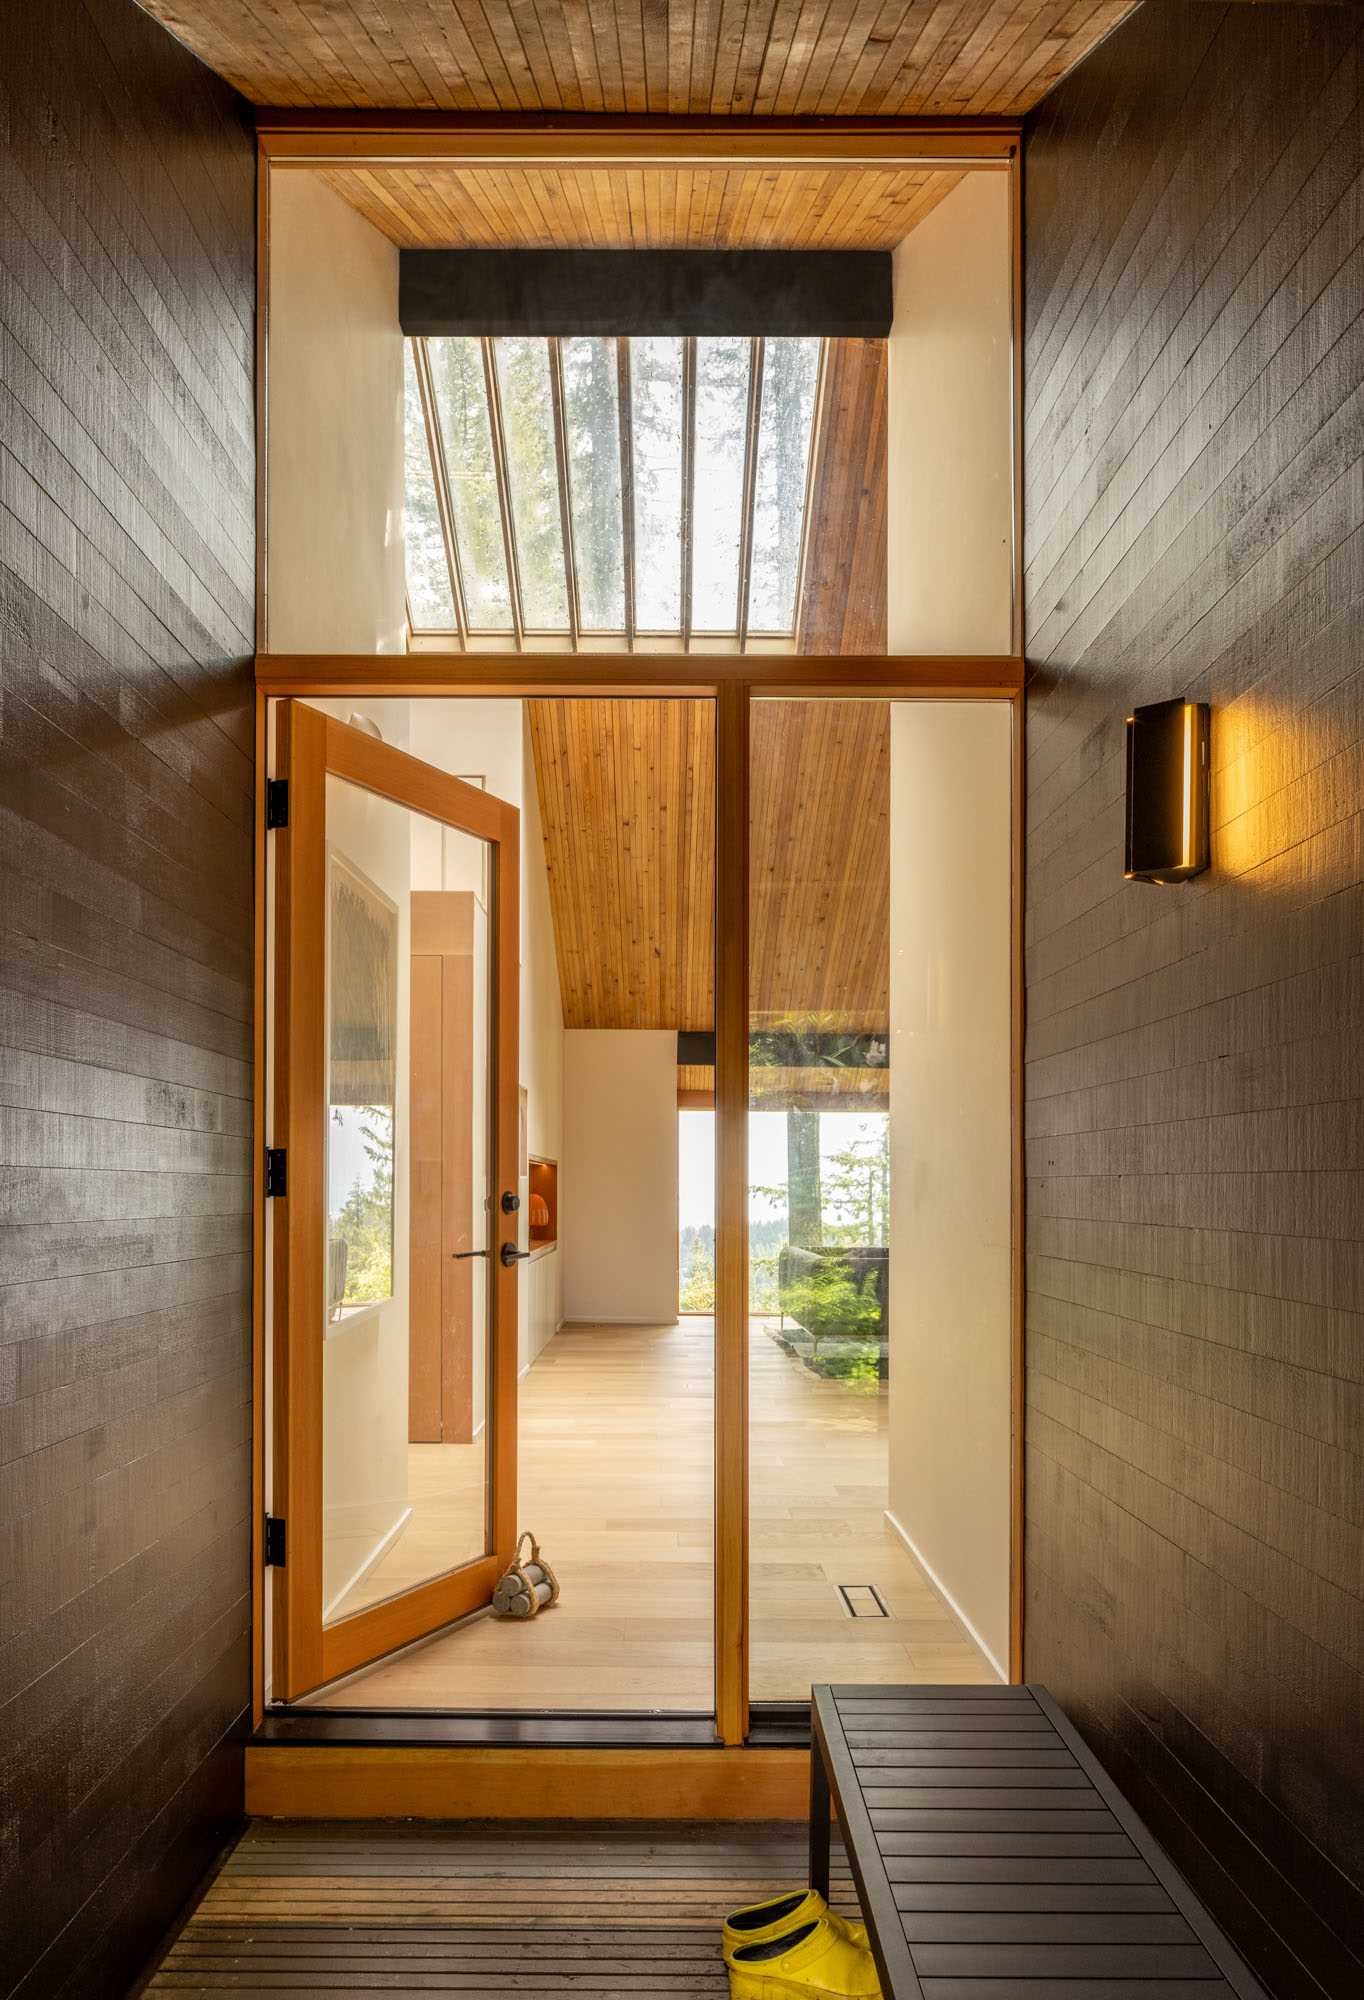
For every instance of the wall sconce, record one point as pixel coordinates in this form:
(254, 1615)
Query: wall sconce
(1167, 791)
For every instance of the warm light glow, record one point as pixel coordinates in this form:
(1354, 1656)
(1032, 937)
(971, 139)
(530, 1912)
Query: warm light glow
(1187, 841)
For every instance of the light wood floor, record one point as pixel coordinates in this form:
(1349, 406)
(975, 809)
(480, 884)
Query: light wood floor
(366, 1909)
(615, 1478)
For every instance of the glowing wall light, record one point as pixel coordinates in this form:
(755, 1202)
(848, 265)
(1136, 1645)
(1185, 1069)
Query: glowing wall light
(1167, 791)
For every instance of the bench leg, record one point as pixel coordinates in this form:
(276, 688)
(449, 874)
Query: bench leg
(819, 1823)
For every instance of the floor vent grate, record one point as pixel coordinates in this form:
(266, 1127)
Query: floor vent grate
(862, 1600)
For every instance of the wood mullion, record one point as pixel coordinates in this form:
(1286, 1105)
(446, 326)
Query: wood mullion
(816, 428)
(731, 1211)
(625, 429)
(938, 676)
(556, 386)
(494, 395)
(435, 450)
(755, 404)
(688, 480)
(298, 1125)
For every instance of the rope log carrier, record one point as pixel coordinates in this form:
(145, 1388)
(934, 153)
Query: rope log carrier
(529, 1585)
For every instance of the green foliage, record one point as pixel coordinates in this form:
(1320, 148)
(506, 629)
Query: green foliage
(696, 1266)
(365, 1220)
(828, 1299)
(855, 1189)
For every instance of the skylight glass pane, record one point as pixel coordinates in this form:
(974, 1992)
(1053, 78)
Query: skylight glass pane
(592, 424)
(429, 596)
(467, 441)
(533, 475)
(656, 423)
(790, 372)
(722, 368)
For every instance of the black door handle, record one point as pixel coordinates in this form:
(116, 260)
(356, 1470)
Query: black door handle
(511, 1255)
(459, 1254)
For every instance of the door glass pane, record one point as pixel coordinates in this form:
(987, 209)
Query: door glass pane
(592, 421)
(790, 376)
(656, 419)
(533, 476)
(466, 436)
(717, 516)
(406, 1150)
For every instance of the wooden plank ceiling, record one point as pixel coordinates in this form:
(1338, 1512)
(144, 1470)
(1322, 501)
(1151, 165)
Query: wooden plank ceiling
(627, 801)
(864, 58)
(442, 207)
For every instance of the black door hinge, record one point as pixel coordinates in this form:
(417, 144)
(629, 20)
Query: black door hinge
(274, 1541)
(276, 1170)
(276, 803)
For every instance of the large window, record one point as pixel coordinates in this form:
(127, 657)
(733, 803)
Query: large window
(599, 492)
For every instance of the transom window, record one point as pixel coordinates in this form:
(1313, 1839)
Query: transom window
(595, 492)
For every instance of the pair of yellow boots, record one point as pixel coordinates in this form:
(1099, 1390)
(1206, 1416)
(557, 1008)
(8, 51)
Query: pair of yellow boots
(794, 1947)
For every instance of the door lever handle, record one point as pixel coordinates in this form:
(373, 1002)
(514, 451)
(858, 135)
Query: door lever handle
(459, 1255)
(511, 1255)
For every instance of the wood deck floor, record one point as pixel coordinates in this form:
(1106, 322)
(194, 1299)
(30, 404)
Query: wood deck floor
(320, 1909)
(616, 1478)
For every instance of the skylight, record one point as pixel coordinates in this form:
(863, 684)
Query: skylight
(595, 492)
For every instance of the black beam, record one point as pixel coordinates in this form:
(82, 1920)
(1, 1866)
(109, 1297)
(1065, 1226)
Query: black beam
(811, 293)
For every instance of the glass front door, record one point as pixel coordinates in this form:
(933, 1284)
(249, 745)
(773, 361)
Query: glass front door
(395, 1099)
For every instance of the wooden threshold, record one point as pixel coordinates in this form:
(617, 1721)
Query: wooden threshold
(322, 1781)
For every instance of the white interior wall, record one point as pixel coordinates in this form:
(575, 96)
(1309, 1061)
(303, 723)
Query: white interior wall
(618, 1189)
(949, 428)
(950, 1140)
(949, 515)
(334, 478)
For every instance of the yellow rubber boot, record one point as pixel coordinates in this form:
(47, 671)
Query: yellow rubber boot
(819, 1961)
(759, 1923)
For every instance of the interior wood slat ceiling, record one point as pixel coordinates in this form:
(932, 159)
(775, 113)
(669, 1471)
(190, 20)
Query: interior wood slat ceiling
(439, 207)
(778, 1089)
(723, 57)
(627, 804)
(820, 866)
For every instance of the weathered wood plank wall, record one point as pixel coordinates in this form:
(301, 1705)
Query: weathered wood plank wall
(127, 252)
(1195, 524)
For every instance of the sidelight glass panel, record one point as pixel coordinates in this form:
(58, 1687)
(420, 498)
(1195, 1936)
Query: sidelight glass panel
(819, 1193)
(790, 379)
(722, 376)
(466, 439)
(656, 423)
(592, 424)
(879, 1136)
(533, 479)
(406, 1151)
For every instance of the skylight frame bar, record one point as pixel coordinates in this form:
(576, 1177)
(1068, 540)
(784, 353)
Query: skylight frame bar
(556, 393)
(688, 481)
(626, 431)
(494, 395)
(435, 451)
(816, 434)
(756, 359)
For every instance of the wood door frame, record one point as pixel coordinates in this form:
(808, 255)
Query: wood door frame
(313, 136)
(310, 745)
(734, 683)
(310, 138)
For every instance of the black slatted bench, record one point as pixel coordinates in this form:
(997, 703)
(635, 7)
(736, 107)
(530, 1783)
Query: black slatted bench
(997, 1860)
